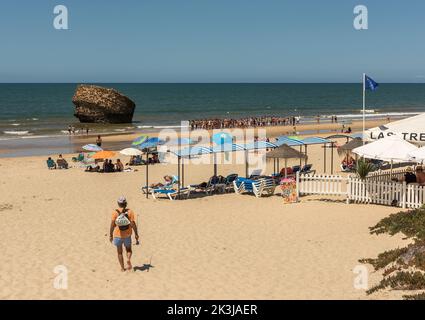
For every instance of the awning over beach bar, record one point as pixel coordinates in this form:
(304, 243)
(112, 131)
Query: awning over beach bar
(411, 129)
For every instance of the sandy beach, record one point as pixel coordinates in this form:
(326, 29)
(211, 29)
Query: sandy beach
(224, 246)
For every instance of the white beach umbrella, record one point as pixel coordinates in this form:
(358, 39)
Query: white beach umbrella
(411, 129)
(392, 148)
(131, 152)
(418, 155)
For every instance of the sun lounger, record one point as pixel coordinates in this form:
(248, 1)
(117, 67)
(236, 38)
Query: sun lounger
(296, 169)
(172, 194)
(171, 185)
(259, 187)
(228, 181)
(307, 169)
(214, 183)
(255, 173)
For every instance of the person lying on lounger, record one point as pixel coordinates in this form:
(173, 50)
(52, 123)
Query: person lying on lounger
(168, 180)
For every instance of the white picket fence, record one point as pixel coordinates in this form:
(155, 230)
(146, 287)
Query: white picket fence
(363, 191)
(322, 184)
(386, 175)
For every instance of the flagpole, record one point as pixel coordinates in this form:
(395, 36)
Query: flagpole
(364, 107)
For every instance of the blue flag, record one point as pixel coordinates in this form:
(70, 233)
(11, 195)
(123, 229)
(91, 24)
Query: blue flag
(370, 84)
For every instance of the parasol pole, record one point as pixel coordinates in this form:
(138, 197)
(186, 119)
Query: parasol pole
(364, 108)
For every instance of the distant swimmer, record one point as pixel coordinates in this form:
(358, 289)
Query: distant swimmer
(122, 224)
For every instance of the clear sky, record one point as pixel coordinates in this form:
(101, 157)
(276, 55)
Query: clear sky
(212, 41)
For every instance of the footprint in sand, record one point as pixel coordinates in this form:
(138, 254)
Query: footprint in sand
(6, 206)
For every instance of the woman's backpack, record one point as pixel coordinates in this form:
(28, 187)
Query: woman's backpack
(122, 221)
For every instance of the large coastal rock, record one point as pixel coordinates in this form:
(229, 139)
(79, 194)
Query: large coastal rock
(94, 104)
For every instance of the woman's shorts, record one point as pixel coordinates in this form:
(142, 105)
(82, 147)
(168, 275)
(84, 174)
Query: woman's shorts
(120, 241)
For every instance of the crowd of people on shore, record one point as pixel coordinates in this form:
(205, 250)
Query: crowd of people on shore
(264, 121)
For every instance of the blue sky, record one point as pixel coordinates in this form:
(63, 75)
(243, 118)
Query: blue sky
(212, 41)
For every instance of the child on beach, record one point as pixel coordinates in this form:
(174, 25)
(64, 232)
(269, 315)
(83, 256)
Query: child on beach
(122, 225)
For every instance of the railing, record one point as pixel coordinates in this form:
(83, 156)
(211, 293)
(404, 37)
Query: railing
(363, 191)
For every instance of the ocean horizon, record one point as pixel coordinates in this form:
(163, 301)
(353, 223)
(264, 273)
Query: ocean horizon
(46, 109)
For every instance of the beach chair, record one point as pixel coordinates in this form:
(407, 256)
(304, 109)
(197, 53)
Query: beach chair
(296, 169)
(62, 164)
(51, 164)
(255, 173)
(79, 158)
(171, 193)
(259, 187)
(263, 186)
(241, 185)
(228, 181)
(214, 183)
(307, 169)
(174, 181)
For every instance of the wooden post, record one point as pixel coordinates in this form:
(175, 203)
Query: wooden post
(348, 189)
(147, 174)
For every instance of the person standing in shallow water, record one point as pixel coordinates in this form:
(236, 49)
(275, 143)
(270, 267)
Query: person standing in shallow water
(122, 225)
(99, 141)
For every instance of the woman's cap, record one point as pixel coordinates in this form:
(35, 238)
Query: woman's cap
(122, 200)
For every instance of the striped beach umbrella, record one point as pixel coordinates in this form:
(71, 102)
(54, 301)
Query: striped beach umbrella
(138, 141)
(92, 148)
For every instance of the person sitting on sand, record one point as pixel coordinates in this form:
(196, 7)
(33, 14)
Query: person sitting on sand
(50, 163)
(111, 167)
(105, 165)
(409, 176)
(119, 167)
(420, 176)
(62, 163)
(120, 231)
(168, 180)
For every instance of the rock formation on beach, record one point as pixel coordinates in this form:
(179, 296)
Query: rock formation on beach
(94, 104)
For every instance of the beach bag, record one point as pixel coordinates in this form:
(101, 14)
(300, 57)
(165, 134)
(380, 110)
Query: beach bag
(122, 221)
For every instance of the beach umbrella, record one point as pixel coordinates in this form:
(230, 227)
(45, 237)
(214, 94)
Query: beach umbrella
(131, 152)
(285, 152)
(150, 143)
(103, 155)
(392, 149)
(92, 148)
(388, 149)
(138, 141)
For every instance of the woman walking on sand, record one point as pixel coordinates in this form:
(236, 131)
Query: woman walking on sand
(122, 224)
